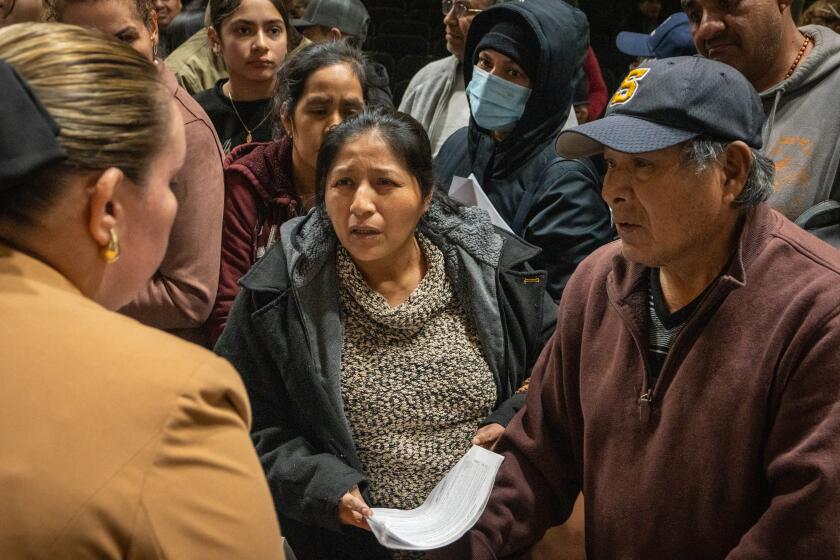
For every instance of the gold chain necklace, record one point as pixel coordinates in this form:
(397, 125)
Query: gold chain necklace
(249, 137)
(798, 57)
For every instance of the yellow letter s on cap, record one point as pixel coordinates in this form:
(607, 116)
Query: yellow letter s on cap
(628, 87)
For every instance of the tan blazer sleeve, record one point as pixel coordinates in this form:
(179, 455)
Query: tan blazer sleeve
(205, 495)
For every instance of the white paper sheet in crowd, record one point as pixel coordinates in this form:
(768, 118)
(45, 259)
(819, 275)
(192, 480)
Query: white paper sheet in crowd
(469, 192)
(451, 509)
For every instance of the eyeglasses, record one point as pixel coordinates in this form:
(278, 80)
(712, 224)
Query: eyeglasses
(461, 8)
(6, 7)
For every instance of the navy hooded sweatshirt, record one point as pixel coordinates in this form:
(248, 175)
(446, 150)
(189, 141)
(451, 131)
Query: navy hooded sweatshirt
(551, 202)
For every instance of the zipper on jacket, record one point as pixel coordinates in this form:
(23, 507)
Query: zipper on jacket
(644, 406)
(645, 400)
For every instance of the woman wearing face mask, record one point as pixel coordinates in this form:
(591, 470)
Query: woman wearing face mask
(119, 441)
(267, 183)
(252, 37)
(525, 56)
(180, 296)
(387, 332)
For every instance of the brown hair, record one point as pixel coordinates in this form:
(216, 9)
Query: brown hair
(219, 10)
(822, 12)
(296, 69)
(107, 99)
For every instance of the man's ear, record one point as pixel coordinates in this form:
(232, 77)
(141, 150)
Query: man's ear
(104, 211)
(737, 162)
(215, 40)
(334, 33)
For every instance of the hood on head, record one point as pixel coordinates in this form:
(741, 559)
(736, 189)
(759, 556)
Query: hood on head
(562, 32)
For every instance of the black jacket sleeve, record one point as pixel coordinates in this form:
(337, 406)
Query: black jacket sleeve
(306, 479)
(568, 220)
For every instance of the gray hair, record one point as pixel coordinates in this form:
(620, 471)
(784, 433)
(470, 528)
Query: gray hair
(700, 152)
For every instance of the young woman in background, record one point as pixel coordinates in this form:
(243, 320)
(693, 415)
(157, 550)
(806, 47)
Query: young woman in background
(252, 37)
(268, 183)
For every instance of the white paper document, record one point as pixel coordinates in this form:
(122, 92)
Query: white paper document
(469, 192)
(451, 509)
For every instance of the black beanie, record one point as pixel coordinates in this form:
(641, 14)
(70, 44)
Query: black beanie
(28, 134)
(514, 40)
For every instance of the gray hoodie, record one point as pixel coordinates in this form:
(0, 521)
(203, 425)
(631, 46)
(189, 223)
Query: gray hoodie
(802, 132)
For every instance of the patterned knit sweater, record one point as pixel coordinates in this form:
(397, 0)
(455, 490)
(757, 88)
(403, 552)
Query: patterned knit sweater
(414, 381)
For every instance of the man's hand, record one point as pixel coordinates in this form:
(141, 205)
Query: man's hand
(488, 435)
(352, 509)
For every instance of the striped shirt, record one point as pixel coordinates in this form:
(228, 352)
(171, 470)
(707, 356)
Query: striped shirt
(663, 326)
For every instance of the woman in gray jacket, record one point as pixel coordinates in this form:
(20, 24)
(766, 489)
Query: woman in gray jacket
(388, 331)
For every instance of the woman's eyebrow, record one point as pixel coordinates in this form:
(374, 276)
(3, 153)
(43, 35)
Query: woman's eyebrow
(125, 31)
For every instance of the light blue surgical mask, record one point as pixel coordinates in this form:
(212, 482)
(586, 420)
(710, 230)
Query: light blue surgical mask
(496, 103)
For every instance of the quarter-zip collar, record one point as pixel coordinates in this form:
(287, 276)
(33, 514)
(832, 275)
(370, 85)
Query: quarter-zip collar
(627, 290)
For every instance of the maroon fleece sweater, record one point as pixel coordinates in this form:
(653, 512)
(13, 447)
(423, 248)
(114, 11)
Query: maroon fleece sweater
(740, 456)
(179, 297)
(259, 197)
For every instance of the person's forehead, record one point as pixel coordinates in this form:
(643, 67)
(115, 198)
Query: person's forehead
(107, 16)
(18, 11)
(478, 4)
(495, 55)
(748, 4)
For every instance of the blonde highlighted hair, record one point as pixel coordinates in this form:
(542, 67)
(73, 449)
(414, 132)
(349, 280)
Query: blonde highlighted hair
(112, 108)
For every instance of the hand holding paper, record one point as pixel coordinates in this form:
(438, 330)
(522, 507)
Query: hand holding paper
(452, 508)
(352, 509)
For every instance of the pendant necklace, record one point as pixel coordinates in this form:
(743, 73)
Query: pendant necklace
(249, 136)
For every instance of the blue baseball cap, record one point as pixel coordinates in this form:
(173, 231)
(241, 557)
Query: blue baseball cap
(671, 38)
(668, 101)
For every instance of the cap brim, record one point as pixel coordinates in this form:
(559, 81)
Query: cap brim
(300, 22)
(621, 133)
(634, 44)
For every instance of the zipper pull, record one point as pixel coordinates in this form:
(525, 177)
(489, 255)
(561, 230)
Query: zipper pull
(644, 407)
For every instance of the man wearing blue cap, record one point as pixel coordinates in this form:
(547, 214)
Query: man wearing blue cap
(691, 390)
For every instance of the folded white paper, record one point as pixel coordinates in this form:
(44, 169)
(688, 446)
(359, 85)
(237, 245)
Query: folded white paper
(452, 508)
(469, 192)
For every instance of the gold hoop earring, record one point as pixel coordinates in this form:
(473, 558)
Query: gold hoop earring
(111, 253)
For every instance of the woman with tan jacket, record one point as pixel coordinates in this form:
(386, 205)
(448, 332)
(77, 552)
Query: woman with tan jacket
(116, 440)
